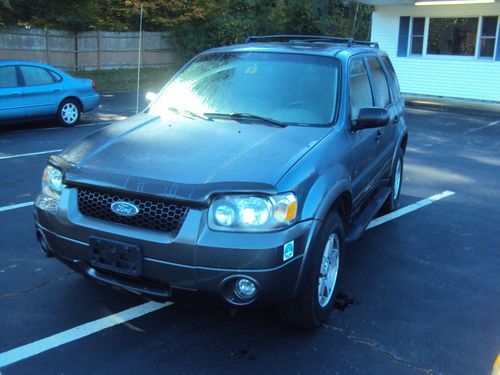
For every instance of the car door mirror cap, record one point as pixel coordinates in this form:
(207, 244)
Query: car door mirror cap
(371, 117)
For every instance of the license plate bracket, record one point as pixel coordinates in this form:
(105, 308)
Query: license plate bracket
(115, 256)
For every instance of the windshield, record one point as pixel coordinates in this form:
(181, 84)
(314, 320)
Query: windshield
(285, 87)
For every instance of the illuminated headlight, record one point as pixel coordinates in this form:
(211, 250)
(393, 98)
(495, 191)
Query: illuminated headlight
(252, 213)
(52, 186)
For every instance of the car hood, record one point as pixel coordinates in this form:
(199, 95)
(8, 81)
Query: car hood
(185, 158)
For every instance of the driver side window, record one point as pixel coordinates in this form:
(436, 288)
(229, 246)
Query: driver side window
(360, 92)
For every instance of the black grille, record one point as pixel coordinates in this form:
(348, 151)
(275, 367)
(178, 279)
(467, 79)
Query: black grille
(153, 214)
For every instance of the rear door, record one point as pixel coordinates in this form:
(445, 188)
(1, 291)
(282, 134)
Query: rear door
(11, 98)
(364, 142)
(42, 91)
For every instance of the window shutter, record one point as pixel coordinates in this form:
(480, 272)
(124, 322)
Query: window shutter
(497, 57)
(404, 30)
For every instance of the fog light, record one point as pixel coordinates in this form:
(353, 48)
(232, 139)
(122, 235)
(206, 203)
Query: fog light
(46, 203)
(245, 289)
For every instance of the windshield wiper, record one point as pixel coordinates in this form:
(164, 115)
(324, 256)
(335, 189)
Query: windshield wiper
(188, 113)
(247, 116)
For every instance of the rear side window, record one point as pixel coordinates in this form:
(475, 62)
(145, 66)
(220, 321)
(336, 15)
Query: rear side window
(382, 97)
(55, 76)
(360, 92)
(35, 76)
(8, 76)
(392, 72)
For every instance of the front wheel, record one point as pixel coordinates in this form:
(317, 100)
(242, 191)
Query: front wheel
(315, 304)
(69, 112)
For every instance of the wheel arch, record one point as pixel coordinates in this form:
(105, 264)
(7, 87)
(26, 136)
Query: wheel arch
(339, 199)
(74, 98)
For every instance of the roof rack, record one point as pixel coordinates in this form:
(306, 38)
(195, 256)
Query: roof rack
(365, 43)
(312, 39)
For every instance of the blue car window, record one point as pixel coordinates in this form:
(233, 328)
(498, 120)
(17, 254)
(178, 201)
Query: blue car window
(57, 77)
(8, 77)
(35, 76)
(383, 98)
(360, 92)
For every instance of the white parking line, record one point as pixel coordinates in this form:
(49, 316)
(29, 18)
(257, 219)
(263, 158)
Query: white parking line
(474, 130)
(28, 154)
(29, 350)
(407, 209)
(14, 206)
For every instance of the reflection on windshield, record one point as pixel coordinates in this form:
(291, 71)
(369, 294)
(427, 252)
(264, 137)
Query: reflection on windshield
(285, 87)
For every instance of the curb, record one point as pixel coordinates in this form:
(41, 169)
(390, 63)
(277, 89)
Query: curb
(452, 105)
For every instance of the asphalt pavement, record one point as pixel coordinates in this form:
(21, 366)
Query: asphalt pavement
(420, 291)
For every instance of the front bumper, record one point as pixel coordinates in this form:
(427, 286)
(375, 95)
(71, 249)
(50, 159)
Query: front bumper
(195, 259)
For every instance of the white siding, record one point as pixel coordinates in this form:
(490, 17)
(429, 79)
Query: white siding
(450, 76)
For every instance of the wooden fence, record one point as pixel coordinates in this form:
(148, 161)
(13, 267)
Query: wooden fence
(87, 50)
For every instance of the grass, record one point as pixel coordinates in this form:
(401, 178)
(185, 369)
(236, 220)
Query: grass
(125, 80)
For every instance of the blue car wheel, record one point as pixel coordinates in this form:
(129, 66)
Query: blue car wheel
(69, 112)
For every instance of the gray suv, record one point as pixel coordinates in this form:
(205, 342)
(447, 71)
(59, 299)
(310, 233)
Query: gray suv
(245, 178)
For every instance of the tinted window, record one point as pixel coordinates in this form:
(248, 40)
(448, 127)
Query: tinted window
(360, 92)
(286, 87)
(34, 76)
(8, 77)
(382, 97)
(392, 72)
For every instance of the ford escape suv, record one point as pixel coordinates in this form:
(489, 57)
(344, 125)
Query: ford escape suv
(245, 178)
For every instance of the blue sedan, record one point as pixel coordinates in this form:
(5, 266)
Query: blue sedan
(30, 90)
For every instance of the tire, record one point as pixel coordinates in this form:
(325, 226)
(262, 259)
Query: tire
(309, 310)
(393, 199)
(69, 113)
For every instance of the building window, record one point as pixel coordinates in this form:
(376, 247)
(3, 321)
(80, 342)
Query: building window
(472, 37)
(452, 36)
(417, 35)
(488, 32)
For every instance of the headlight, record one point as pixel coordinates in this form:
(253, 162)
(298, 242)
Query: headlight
(252, 213)
(52, 182)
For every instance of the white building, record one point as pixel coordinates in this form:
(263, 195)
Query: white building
(447, 48)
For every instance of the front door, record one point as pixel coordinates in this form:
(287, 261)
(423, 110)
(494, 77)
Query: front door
(364, 167)
(383, 99)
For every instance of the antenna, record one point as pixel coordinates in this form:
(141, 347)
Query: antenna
(139, 63)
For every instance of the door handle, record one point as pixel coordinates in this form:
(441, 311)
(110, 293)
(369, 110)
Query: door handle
(379, 135)
(15, 94)
(56, 90)
(395, 120)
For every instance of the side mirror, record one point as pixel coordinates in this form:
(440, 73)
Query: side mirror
(372, 117)
(150, 96)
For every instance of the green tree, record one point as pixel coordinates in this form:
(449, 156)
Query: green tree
(195, 24)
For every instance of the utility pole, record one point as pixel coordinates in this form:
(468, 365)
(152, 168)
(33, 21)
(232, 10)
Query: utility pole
(139, 62)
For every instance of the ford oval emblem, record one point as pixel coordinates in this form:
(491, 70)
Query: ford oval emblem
(124, 208)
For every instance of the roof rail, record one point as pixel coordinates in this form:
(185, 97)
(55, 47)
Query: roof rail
(300, 38)
(312, 39)
(365, 43)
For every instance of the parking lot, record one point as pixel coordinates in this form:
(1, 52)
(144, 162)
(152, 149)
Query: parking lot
(420, 292)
